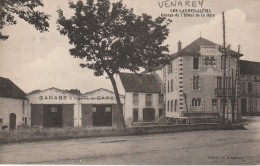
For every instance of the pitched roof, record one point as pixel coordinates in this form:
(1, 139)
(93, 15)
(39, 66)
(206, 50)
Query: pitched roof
(9, 90)
(143, 83)
(101, 89)
(52, 88)
(248, 67)
(194, 47)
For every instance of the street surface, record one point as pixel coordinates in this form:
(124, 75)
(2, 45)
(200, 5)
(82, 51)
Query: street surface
(199, 147)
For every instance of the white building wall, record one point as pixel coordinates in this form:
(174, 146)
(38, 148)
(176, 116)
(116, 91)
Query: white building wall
(56, 96)
(175, 94)
(16, 106)
(129, 106)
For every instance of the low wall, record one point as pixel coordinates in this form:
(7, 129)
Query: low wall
(174, 128)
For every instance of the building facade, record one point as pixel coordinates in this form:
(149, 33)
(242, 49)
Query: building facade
(143, 98)
(13, 105)
(58, 108)
(194, 81)
(249, 87)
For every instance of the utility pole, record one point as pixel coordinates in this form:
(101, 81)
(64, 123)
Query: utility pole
(233, 99)
(238, 83)
(224, 53)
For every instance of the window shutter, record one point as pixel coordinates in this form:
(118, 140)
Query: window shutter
(191, 63)
(202, 104)
(200, 63)
(191, 82)
(215, 82)
(218, 63)
(190, 105)
(201, 83)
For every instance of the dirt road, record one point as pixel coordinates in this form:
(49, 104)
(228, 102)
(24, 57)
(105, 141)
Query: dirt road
(199, 147)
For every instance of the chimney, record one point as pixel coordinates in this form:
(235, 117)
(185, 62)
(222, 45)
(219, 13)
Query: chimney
(179, 45)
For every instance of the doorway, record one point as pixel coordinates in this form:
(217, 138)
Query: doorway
(12, 122)
(102, 115)
(243, 106)
(148, 114)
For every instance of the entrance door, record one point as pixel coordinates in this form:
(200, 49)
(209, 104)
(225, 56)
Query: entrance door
(135, 114)
(148, 114)
(52, 116)
(102, 115)
(243, 106)
(12, 122)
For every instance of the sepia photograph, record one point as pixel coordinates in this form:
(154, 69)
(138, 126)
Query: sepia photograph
(130, 82)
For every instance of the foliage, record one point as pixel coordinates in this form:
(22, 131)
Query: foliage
(74, 91)
(48, 134)
(35, 91)
(26, 10)
(111, 37)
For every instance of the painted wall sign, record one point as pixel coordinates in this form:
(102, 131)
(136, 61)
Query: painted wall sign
(98, 98)
(206, 50)
(57, 98)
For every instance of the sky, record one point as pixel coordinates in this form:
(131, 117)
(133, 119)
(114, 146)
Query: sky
(34, 60)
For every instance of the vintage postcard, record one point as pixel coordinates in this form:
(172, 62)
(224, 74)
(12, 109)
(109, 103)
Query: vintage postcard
(130, 82)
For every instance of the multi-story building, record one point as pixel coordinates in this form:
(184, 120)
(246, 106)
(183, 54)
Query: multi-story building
(194, 80)
(143, 98)
(249, 87)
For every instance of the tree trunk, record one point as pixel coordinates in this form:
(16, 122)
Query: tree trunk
(120, 122)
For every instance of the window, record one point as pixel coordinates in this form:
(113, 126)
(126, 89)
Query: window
(160, 98)
(170, 68)
(196, 102)
(54, 109)
(1, 120)
(197, 82)
(164, 88)
(160, 112)
(243, 86)
(168, 86)
(214, 102)
(171, 106)
(168, 106)
(175, 105)
(255, 105)
(94, 109)
(148, 100)
(255, 78)
(255, 87)
(243, 76)
(24, 119)
(108, 109)
(195, 62)
(250, 87)
(219, 82)
(229, 81)
(135, 99)
(209, 61)
(222, 101)
(172, 85)
(135, 114)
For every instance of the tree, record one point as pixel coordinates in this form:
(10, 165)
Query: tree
(111, 37)
(74, 91)
(25, 9)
